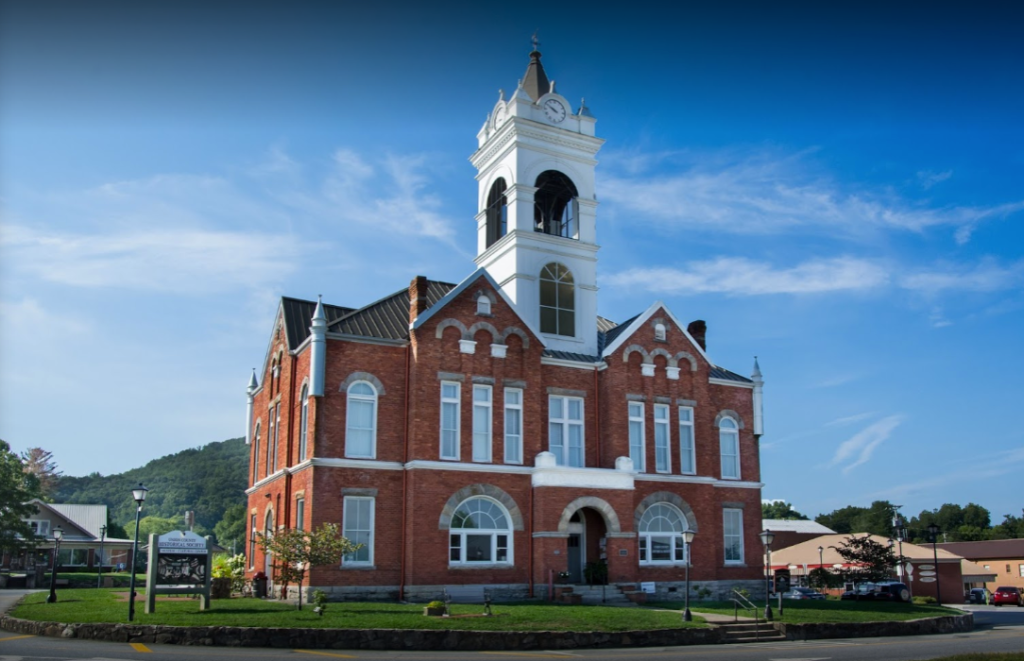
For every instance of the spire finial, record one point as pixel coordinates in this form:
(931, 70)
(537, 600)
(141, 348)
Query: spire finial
(535, 41)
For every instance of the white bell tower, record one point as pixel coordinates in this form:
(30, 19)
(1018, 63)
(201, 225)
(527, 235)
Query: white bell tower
(536, 225)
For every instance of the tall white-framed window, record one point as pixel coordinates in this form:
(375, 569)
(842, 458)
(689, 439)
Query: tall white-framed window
(277, 432)
(687, 447)
(256, 454)
(513, 426)
(636, 435)
(565, 429)
(361, 421)
(480, 533)
(357, 526)
(252, 541)
(300, 513)
(451, 397)
(662, 442)
(482, 420)
(483, 304)
(661, 535)
(303, 422)
(732, 527)
(729, 441)
(557, 301)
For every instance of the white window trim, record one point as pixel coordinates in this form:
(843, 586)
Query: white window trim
(252, 541)
(457, 401)
(375, 400)
(565, 422)
(256, 453)
(693, 440)
(300, 513)
(517, 410)
(735, 433)
(640, 462)
(42, 527)
(277, 431)
(644, 539)
(462, 532)
(665, 424)
(739, 514)
(483, 408)
(372, 531)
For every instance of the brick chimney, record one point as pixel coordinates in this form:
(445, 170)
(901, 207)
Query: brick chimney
(698, 330)
(417, 297)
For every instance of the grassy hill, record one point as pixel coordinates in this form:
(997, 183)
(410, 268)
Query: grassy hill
(206, 480)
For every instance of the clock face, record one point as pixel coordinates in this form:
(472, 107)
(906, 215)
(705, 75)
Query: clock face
(500, 114)
(554, 110)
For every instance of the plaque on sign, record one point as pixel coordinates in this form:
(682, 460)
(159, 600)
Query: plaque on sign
(926, 566)
(647, 586)
(927, 579)
(179, 563)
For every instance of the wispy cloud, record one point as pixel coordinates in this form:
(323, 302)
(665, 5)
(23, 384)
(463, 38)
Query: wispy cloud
(838, 380)
(857, 450)
(764, 192)
(995, 465)
(927, 178)
(985, 276)
(744, 277)
(850, 419)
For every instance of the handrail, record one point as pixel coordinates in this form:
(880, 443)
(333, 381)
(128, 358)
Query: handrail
(740, 601)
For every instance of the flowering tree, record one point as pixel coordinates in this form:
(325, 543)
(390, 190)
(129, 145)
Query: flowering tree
(295, 551)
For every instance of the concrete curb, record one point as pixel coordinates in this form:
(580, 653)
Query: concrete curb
(451, 640)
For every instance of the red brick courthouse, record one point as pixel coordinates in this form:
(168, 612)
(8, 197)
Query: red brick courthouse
(498, 433)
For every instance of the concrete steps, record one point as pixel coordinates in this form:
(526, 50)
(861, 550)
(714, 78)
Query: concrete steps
(750, 632)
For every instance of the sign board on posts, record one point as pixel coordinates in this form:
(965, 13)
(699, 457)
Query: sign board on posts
(647, 586)
(179, 563)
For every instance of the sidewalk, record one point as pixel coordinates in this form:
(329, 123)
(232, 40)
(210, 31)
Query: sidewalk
(10, 597)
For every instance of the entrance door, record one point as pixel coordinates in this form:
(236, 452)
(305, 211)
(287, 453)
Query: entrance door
(575, 558)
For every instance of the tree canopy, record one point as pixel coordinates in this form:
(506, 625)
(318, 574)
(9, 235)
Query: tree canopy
(778, 509)
(17, 488)
(868, 559)
(40, 463)
(296, 551)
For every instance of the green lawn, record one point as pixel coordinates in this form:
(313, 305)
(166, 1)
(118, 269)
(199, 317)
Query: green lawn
(799, 611)
(76, 606)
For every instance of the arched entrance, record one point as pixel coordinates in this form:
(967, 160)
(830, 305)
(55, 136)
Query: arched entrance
(587, 521)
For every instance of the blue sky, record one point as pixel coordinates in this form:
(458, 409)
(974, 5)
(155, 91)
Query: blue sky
(835, 187)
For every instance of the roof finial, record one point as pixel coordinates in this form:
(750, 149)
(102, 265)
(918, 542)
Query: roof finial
(535, 41)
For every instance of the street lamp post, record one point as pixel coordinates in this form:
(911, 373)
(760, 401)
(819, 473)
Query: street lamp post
(139, 494)
(821, 562)
(58, 534)
(901, 531)
(891, 542)
(933, 530)
(99, 573)
(688, 539)
(767, 537)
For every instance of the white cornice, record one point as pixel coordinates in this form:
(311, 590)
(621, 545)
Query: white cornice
(573, 364)
(371, 464)
(678, 479)
(729, 484)
(582, 478)
(424, 464)
(267, 480)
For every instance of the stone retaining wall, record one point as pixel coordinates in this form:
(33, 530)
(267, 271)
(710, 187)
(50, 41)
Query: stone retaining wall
(816, 631)
(444, 640)
(367, 639)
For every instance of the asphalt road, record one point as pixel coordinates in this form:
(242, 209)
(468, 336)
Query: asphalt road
(997, 630)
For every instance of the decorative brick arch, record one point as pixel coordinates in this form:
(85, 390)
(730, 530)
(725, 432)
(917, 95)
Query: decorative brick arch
(481, 325)
(512, 330)
(450, 322)
(487, 490)
(486, 293)
(661, 352)
(665, 497)
(638, 349)
(729, 413)
(686, 355)
(363, 376)
(611, 519)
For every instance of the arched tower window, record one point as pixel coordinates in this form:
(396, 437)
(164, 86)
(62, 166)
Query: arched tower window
(481, 532)
(256, 454)
(661, 540)
(555, 210)
(497, 212)
(557, 301)
(729, 441)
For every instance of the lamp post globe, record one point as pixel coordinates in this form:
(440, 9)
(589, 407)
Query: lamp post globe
(688, 539)
(58, 534)
(767, 537)
(139, 495)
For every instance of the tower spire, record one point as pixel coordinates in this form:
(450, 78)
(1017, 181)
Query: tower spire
(535, 82)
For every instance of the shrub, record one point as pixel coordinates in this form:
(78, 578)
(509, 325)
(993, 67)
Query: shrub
(436, 604)
(921, 601)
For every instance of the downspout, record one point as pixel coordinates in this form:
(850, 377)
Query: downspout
(405, 474)
(530, 543)
(288, 449)
(597, 418)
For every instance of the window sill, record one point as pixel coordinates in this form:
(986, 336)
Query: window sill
(735, 564)
(681, 565)
(482, 565)
(351, 567)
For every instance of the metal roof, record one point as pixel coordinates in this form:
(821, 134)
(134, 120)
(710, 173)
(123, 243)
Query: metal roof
(387, 318)
(535, 82)
(787, 525)
(568, 355)
(987, 550)
(298, 316)
(727, 375)
(612, 333)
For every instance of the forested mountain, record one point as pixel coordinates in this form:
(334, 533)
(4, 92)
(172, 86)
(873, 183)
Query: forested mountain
(207, 480)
